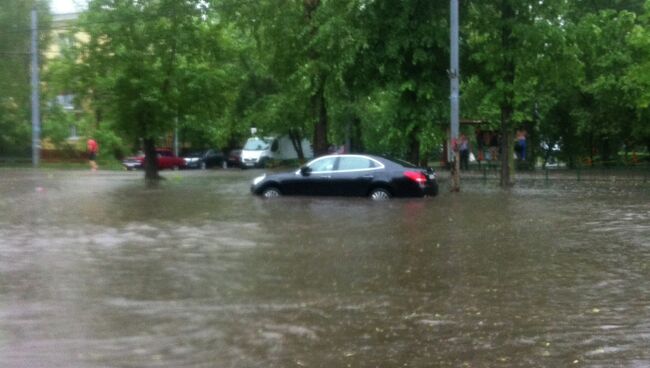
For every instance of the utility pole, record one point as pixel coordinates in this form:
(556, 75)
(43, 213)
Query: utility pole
(454, 75)
(36, 104)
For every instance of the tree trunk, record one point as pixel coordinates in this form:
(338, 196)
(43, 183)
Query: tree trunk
(321, 144)
(319, 108)
(507, 43)
(296, 141)
(506, 152)
(98, 117)
(414, 147)
(150, 160)
(356, 140)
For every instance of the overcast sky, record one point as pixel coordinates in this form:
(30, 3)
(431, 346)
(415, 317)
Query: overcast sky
(66, 6)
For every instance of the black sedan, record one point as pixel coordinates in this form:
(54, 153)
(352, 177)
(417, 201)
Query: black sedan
(234, 158)
(204, 159)
(350, 175)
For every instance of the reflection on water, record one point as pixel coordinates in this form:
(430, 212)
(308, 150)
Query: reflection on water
(96, 270)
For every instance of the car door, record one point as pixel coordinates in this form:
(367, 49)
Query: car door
(315, 180)
(164, 160)
(210, 158)
(354, 175)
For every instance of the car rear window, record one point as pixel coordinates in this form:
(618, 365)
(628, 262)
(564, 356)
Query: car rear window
(355, 163)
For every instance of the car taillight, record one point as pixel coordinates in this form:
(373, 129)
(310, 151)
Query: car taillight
(416, 176)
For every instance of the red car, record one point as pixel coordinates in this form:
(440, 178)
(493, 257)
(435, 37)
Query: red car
(166, 160)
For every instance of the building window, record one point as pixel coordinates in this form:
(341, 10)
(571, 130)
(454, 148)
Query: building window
(73, 132)
(66, 101)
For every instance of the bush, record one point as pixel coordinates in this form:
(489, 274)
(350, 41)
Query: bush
(110, 144)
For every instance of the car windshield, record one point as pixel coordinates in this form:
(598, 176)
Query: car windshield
(256, 144)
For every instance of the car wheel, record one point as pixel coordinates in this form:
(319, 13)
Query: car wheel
(379, 194)
(175, 167)
(271, 192)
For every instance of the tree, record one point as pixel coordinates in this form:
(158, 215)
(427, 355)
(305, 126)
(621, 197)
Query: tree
(637, 79)
(402, 69)
(511, 46)
(284, 77)
(15, 126)
(149, 64)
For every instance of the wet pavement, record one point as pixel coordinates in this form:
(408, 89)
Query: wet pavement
(97, 270)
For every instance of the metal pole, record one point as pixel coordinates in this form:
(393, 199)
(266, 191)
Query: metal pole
(35, 81)
(455, 93)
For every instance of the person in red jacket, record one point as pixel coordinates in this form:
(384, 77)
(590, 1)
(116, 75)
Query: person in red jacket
(92, 147)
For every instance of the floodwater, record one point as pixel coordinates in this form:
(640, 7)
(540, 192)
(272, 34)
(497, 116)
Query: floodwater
(97, 270)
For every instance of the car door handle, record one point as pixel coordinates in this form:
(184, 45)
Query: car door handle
(368, 176)
(326, 176)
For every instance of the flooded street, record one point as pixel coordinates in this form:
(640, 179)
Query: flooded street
(97, 270)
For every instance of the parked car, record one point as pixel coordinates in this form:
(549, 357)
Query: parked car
(258, 151)
(134, 162)
(234, 158)
(166, 160)
(204, 159)
(377, 177)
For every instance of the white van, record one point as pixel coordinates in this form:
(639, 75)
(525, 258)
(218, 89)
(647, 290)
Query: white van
(258, 151)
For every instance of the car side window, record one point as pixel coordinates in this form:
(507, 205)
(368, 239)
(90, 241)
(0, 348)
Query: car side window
(355, 163)
(324, 164)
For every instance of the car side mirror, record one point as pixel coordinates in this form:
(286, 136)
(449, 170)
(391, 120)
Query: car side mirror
(305, 171)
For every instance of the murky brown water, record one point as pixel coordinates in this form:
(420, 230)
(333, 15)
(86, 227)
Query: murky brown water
(98, 271)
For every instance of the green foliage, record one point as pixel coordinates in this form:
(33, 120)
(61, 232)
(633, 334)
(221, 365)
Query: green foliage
(576, 78)
(403, 59)
(112, 145)
(289, 61)
(637, 78)
(375, 72)
(56, 125)
(15, 114)
(149, 63)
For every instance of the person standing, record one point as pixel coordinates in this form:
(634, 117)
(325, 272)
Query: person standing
(92, 148)
(521, 144)
(463, 147)
(494, 147)
(480, 146)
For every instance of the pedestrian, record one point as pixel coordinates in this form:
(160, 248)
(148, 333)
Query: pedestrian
(494, 147)
(92, 148)
(521, 144)
(463, 147)
(480, 146)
